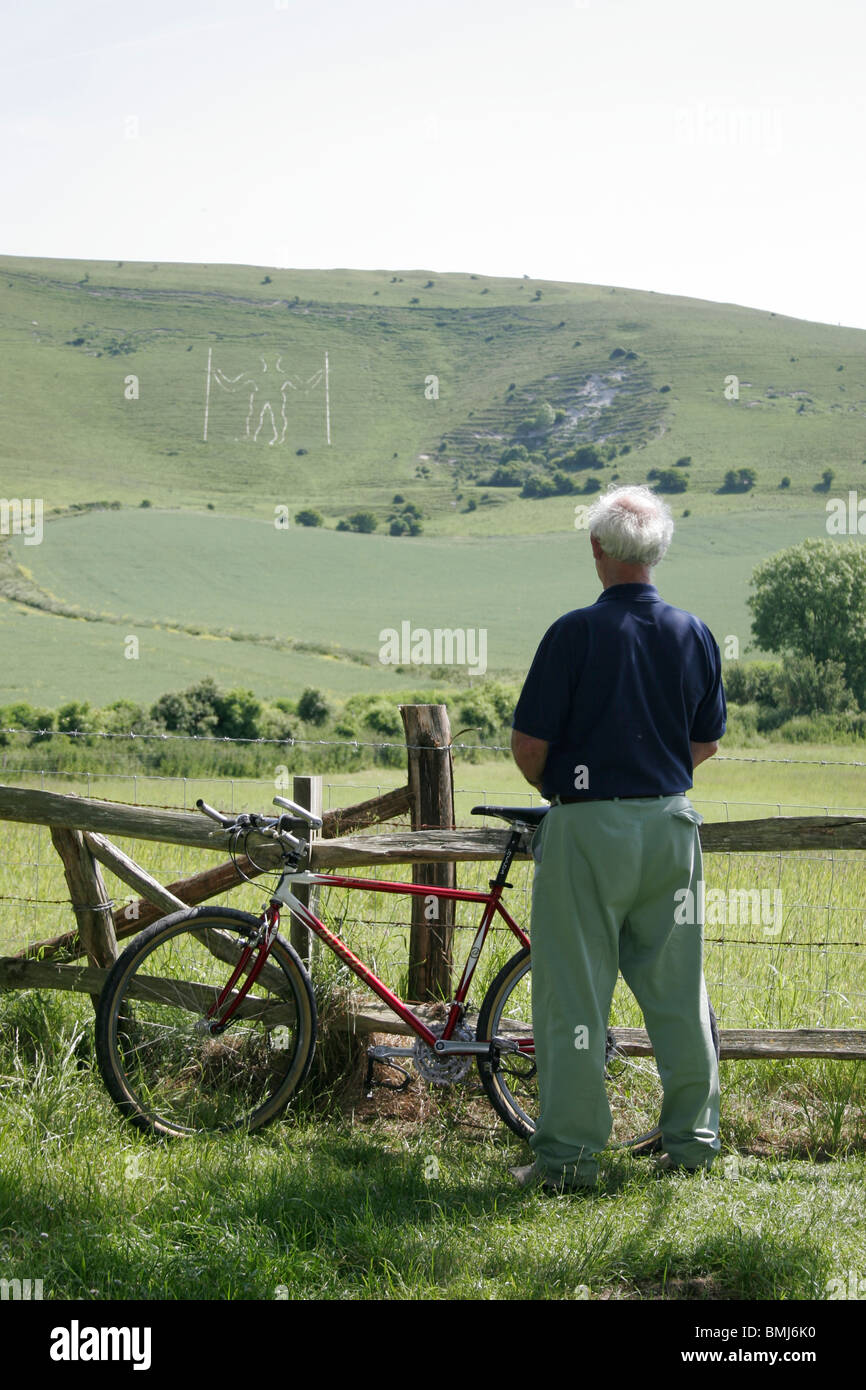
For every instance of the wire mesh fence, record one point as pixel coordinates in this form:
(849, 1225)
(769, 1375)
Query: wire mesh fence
(785, 931)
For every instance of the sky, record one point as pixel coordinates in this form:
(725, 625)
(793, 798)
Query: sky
(682, 146)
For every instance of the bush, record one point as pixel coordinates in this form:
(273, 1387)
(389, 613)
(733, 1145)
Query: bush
(513, 452)
(24, 716)
(504, 477)
(75, 715)
(309, 518)
(806, 686)
(383, 718)
(192, 711)
(238, 713)
(683, 462)
(364, 522)
(739, 480)
(125, 716)
(669, 481)
(587, 456)
(313, 707)
(786, 481)
(538, 485)
(750, 682)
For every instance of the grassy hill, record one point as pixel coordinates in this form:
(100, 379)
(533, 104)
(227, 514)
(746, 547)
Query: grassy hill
(107, 370)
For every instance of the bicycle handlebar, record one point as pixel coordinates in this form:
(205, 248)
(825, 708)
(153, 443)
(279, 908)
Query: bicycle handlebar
(265, 825)
(315, 822)
(214, 815)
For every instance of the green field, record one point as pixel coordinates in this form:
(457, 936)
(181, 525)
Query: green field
(107, 370)
(161, 576)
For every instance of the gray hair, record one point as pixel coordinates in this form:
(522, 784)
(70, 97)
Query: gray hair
(632, 525)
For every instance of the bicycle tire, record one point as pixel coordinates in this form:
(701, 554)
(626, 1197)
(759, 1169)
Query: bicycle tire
(169, 1077)
(510, 1079)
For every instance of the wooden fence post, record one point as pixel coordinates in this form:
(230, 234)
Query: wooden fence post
(431, 788)
(307, 792)
(90, 902)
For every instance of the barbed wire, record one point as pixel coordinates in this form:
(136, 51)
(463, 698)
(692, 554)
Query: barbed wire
(367, 743)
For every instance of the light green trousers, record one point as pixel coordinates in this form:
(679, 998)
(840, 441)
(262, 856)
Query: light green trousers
(606, 873)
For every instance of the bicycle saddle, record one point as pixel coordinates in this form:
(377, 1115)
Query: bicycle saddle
(522, 815)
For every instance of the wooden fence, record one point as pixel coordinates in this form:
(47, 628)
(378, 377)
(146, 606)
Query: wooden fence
(80, 826)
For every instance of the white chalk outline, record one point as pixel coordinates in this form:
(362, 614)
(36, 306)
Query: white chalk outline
(228, 383)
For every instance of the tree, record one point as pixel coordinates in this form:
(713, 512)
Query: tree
(508, 476)
(739, 480)
(75, 716)
(811, 600)
(538, 485)
(364, 522)
(309, 518)
(313, 708)
(668, 480)
(192, 711)
(238, 713)
(587, 456)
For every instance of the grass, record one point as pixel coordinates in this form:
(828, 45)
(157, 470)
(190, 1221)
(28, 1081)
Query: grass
(377, 1209)
(155, 575)
(408, 1197)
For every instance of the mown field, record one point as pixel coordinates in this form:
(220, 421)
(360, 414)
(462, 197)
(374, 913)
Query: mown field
(196, 589)
(408, 1197)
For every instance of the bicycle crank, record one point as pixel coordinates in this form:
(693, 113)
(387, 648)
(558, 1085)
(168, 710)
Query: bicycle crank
(443, 1069)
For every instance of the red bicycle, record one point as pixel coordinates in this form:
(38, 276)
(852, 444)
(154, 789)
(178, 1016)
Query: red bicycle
(207, 1021)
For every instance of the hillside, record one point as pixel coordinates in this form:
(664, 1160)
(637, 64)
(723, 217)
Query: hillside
(339, 390)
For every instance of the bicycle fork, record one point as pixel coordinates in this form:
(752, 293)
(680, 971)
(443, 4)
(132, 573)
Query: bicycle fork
(218, 1018)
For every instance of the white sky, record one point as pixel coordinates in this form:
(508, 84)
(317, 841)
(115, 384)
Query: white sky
(682, 146)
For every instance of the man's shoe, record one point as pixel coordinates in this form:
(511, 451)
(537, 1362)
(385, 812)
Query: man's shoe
(665, 1164)
(532, 1176)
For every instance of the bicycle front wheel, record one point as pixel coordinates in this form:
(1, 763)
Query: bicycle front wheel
(163, 1068)
(510, 1079)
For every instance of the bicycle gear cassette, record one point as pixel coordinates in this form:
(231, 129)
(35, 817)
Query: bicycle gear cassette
(443, 1070)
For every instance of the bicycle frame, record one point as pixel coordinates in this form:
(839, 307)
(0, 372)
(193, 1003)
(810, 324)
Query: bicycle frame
(284, 896)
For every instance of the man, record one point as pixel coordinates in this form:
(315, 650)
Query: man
(623, 700)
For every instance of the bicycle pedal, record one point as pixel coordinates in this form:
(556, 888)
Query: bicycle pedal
(370, 1083)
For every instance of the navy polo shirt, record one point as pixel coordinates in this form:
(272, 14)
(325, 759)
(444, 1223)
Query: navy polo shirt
(619, 690)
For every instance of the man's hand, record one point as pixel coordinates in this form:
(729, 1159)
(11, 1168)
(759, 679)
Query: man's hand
(530, 754)
(702, 751)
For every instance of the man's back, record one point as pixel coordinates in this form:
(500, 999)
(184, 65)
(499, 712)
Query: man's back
(619, 690)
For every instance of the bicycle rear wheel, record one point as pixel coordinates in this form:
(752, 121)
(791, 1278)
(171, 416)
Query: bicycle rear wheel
(162, 1067)
(510, 1078)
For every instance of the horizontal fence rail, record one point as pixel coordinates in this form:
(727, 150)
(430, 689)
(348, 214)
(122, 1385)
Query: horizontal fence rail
(190, 829)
